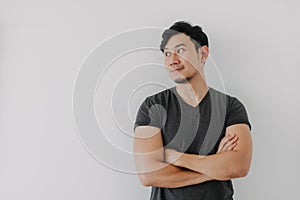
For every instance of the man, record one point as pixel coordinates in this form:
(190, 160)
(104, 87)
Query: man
(190, 140)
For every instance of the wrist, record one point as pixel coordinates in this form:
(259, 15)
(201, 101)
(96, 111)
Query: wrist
(182, 157)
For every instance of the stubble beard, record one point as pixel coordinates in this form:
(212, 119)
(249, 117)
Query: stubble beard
(183, 80)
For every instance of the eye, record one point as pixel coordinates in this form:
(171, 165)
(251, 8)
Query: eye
(167, 53)
(180, 50)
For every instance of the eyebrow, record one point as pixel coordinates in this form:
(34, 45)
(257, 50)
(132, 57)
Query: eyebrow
(178, 45)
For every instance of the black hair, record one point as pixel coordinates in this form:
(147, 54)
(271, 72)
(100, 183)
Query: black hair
(197, 36)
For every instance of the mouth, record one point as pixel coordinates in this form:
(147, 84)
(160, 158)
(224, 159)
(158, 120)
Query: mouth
(177, 69)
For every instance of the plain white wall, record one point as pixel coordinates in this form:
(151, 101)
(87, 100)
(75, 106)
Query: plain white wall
(255, 45)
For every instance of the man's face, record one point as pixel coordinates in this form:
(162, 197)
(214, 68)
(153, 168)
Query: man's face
(181, 59)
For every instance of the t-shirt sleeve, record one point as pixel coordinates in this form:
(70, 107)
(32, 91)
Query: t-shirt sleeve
(237, 114)
(150, 114)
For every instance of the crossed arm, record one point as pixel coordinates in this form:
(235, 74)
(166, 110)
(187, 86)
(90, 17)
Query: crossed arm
(221, 166)
(169, 168)
(152, 169)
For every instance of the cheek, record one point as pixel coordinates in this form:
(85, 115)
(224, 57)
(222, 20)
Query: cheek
(166, 61)
(193, 61)
(188, 61)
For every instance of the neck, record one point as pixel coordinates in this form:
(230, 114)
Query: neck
(194, 90)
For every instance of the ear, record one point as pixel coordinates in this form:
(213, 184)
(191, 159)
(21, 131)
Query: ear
(204, 51)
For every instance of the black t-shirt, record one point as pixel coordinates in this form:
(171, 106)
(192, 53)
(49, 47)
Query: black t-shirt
(193, 130)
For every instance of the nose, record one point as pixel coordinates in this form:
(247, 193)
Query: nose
(174, 59)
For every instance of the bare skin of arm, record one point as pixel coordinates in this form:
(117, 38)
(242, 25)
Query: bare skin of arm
(151, 165)
(223, 165)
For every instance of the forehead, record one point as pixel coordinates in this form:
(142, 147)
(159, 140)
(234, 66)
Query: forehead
(180, 38)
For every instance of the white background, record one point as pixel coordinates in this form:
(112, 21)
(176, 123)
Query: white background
(255, 44)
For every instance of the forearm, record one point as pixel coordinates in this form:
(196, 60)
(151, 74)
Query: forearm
(222, 166)
(170, 176)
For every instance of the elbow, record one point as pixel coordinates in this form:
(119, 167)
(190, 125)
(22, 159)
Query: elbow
(241, 172)
(233, 172)
(244, 169)
(145, 179)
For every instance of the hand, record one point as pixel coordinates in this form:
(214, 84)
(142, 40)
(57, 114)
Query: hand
(172, 156)
(228, 143)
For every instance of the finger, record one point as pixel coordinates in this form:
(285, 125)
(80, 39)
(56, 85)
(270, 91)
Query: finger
(231, 136)
(229, 143)
(230, 148)
(228, 140)
(224, 141)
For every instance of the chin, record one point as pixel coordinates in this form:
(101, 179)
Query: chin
(181, 80)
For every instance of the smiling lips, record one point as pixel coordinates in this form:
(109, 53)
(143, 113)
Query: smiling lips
(177, 69)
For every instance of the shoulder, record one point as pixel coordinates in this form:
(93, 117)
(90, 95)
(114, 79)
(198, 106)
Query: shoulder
(160, 97)
(236, 111)
(230, 99)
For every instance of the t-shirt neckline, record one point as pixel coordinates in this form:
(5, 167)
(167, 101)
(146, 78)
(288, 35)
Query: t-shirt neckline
(185, 103)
